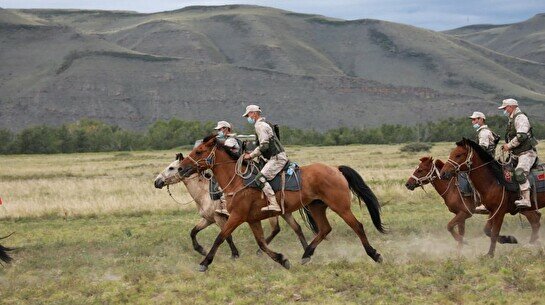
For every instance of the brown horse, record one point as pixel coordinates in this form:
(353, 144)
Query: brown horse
(486, 175)
(462, 207)
(322, 186)
(4, 255)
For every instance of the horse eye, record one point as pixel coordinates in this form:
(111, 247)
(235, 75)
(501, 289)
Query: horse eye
(458, 156)
(198, 153)
(418, 171)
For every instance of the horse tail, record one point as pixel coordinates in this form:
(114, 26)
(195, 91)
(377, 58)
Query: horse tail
(308, 219)
(363, 192)
(4, 255)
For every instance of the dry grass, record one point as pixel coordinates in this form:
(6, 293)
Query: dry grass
(102, 183)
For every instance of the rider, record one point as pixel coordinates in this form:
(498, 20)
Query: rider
(228, 139)
(522, 145)
(269, 147)
(485, 136)
(486, 139)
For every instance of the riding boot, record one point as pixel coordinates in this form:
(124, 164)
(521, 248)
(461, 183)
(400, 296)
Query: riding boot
(223, 206)
(481, 209)
(524, 202)
(269, 193)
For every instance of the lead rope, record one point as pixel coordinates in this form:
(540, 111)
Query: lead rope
(180, 203)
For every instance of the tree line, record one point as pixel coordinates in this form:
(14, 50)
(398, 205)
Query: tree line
(95, 136)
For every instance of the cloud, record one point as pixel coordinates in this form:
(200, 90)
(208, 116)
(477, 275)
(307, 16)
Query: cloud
(432, 14)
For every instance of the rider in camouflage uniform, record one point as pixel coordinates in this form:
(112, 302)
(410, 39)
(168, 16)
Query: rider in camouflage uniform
(269, 147)
(486, 139)
(522, 145)
(228, 139)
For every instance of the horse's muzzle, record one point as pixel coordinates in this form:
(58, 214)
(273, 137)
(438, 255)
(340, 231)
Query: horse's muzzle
(186, 171)
(159, 183)
(410, 186)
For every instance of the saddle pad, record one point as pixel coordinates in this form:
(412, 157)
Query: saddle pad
(536, 178)
(293, 182)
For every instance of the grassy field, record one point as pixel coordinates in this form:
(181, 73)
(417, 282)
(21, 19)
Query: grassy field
(91, 229)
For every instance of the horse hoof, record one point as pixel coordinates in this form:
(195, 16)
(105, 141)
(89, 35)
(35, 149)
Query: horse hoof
(378, 258)
(234, 256)
(202, 268)
(512, 240)
(305, 260)
(286, 264)
(259, 252)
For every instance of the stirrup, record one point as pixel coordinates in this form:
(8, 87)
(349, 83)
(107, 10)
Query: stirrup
(522, 203)
(481, 209)
(223, 212)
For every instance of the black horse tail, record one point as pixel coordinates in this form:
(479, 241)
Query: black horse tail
(308, 219)
(4, 255)
(363, 192)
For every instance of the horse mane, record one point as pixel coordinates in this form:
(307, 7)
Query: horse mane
(221, 146)
(494, 165)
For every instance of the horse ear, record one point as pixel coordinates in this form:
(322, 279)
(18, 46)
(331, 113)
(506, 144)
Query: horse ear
(179, 156)
(424, 159)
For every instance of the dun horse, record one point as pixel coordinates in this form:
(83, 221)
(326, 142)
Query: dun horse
(198, 188)
(322, 186)
(463, 208)
(487, 177)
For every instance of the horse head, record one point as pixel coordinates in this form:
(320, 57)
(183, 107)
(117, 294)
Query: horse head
(460, 159)
(201, 158)
(423, 174)
(170, 175)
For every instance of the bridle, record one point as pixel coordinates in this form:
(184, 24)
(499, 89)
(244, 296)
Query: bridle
(468, 162)
(429, 177)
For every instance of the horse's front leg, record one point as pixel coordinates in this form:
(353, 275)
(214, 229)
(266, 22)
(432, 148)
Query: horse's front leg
(257, 229)
(220, 221)
(201, 225)
(495, 232)
(232, 223)
(458, 221)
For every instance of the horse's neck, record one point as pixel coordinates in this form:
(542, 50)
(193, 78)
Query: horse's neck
(197, 188)
(482, 178)
(441, 185)
(225, 172)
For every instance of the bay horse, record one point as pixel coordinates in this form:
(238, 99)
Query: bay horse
(199, 189)
(486, 175)
(4, 251)
(427, 172)
(322, 186)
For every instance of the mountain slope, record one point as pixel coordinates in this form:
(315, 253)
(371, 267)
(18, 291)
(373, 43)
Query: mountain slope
(207, 63)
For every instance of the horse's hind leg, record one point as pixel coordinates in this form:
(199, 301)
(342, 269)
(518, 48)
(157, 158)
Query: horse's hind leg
(347, 215)
(220, 221)
(533, 217)
(202, 224)
(288, 217)
(318, 212)
(257, 229)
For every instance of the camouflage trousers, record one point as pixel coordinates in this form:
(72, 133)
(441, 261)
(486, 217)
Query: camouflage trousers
(274, 165)
(525, 162)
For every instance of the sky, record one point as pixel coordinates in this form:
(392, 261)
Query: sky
(430, 14)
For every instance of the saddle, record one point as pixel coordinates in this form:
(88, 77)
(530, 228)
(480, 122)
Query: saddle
(536, 178)
(291, 173)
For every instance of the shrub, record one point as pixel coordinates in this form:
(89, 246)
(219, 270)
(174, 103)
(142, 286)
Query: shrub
(416, 147)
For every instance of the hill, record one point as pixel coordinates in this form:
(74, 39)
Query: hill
(524, 39)
(207, 63)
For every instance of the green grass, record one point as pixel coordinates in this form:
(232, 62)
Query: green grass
(140, 252)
